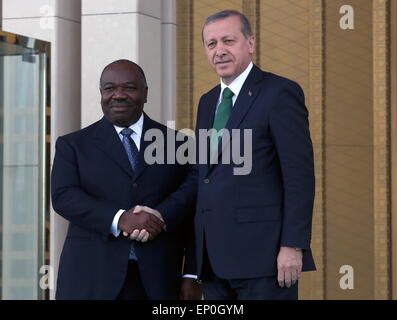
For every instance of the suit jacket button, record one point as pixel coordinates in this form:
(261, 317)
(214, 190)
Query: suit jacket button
(135, 185)
(207, 181)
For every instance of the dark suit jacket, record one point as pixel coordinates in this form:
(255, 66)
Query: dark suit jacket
(91, 180)
(244, 219)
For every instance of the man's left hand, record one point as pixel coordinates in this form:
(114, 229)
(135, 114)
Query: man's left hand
(190, 289)
(289, 265)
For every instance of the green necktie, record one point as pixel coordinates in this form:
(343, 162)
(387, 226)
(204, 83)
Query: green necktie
(221, 117)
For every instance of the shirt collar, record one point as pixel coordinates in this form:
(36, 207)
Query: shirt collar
(237, 83)
(137, 127)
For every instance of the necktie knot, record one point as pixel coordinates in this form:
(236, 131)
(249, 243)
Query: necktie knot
(126, 132)
(227, 93)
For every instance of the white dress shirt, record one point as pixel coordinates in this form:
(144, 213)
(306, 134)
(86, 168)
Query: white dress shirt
(236, 84)
(137, 128)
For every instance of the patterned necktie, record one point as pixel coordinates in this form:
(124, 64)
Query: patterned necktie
(221, 117)
(130, 147)
(132, 154)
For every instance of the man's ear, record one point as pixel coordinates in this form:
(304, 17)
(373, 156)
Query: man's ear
(251, 44)
(146, 92)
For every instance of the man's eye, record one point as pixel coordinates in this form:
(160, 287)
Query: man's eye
(228, 41)
(211, 45)
(130, 88)
(109, 88)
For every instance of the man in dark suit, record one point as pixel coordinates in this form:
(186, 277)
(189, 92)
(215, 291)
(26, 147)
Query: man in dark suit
(252, 229)
(99, 175)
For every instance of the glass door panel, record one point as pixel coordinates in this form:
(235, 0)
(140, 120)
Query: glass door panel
(22, 164)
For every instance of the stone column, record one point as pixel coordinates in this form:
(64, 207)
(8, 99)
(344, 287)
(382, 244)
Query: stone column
(131, 30)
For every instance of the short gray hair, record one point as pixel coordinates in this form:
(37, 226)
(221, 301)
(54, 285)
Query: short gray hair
(245, 24)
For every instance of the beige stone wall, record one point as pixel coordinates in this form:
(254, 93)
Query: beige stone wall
(290, 45)
(349, 151)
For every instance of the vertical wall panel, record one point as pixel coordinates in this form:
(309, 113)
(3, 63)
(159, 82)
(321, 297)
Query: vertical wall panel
(290, 45)
(349, 150)
(393, 143)
(314, 287)
(204, 77)
(382, 174)
(284, 39)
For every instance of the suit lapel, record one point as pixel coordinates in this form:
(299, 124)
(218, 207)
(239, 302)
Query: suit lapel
(208, 117)
(211, 102)
(108, 141)
(245, 99)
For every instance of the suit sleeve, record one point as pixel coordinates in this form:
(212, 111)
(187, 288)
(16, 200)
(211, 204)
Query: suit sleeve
(289, 127)
(70, 200)
(180, 205)
(189, 266)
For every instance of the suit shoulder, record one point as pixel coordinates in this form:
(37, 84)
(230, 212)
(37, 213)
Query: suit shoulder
(212, 91)
(153, 124)
(168, 133)
(281, 82)
(81, 133)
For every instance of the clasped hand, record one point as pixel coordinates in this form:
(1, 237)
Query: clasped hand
(141, 223)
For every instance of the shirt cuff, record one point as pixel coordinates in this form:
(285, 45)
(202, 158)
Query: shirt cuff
(192, 276)
(114, 229)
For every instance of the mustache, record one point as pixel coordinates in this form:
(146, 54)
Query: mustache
(121, 104)
(222, 59)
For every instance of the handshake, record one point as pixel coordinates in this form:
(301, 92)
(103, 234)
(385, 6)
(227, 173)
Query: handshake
(141, 223)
